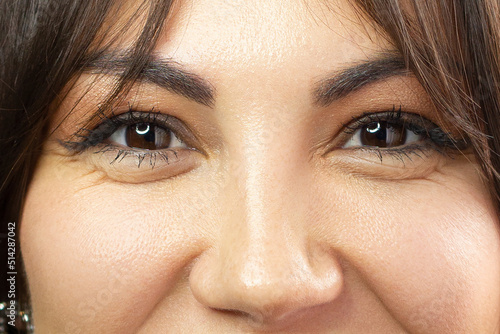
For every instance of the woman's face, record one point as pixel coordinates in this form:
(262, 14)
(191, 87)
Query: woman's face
(275, 170)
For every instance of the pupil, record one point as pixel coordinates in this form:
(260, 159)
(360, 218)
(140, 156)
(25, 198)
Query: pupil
(383, 134)
(141, 136)
(142, 128)
(145, 131)
(147, 137)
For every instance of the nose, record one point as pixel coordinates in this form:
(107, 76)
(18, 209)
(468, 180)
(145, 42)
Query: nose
(264, 266)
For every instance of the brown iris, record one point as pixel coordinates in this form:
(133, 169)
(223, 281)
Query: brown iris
(383, 134)
(147, 136)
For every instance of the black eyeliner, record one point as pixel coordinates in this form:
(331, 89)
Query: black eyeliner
(86, 138)
(412, 122)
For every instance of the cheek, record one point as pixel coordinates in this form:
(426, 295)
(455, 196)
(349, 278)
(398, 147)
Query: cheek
(97, 253)
(429, 252)
(447, 269)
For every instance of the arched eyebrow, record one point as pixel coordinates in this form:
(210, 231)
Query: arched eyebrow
(164, 73)
(353, 78)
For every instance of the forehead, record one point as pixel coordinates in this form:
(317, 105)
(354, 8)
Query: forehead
(240, 33)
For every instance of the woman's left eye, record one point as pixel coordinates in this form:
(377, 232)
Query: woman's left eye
(145, 136)
(397, 131)
(383, 134)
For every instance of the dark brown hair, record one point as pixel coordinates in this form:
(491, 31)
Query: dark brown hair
(44, 46)
(452, 46)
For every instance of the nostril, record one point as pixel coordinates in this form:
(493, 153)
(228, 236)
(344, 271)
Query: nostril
(252, 318)
(273, 319)
(255, 317)
(234, 312)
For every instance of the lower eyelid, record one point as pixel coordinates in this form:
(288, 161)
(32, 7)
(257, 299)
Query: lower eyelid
(132, 166)
(413, 162)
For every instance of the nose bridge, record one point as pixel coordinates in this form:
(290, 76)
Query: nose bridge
(266, 220)
(271, 177)
(268, 163)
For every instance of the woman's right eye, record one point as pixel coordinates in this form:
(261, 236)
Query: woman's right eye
(145, 136)
(138, 138)
(140, 146)
(136, 131)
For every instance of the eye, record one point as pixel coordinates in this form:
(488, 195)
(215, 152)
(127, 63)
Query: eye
(383, 134)
(141, 146)
(145, 136)
(140, 131)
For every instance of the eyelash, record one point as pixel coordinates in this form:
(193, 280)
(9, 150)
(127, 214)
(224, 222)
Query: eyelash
(434, 137)
(88, 138)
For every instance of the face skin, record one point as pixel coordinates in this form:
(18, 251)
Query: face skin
(271, 222)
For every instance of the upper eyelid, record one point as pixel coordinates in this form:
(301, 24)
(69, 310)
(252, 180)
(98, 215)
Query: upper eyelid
(183, 132)
(400, 117)
(415, 121)
(89, 137)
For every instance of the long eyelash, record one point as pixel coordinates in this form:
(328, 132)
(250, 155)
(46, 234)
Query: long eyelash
(434, 133)
(151, 156)
(86, 138)
(366, 118)
(403, 154)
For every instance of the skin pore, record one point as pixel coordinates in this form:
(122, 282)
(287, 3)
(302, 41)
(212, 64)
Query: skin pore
(267, 215)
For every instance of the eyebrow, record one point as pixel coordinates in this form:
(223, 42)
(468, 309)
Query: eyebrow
(171, 76)
(354, 78)
(164, 73)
